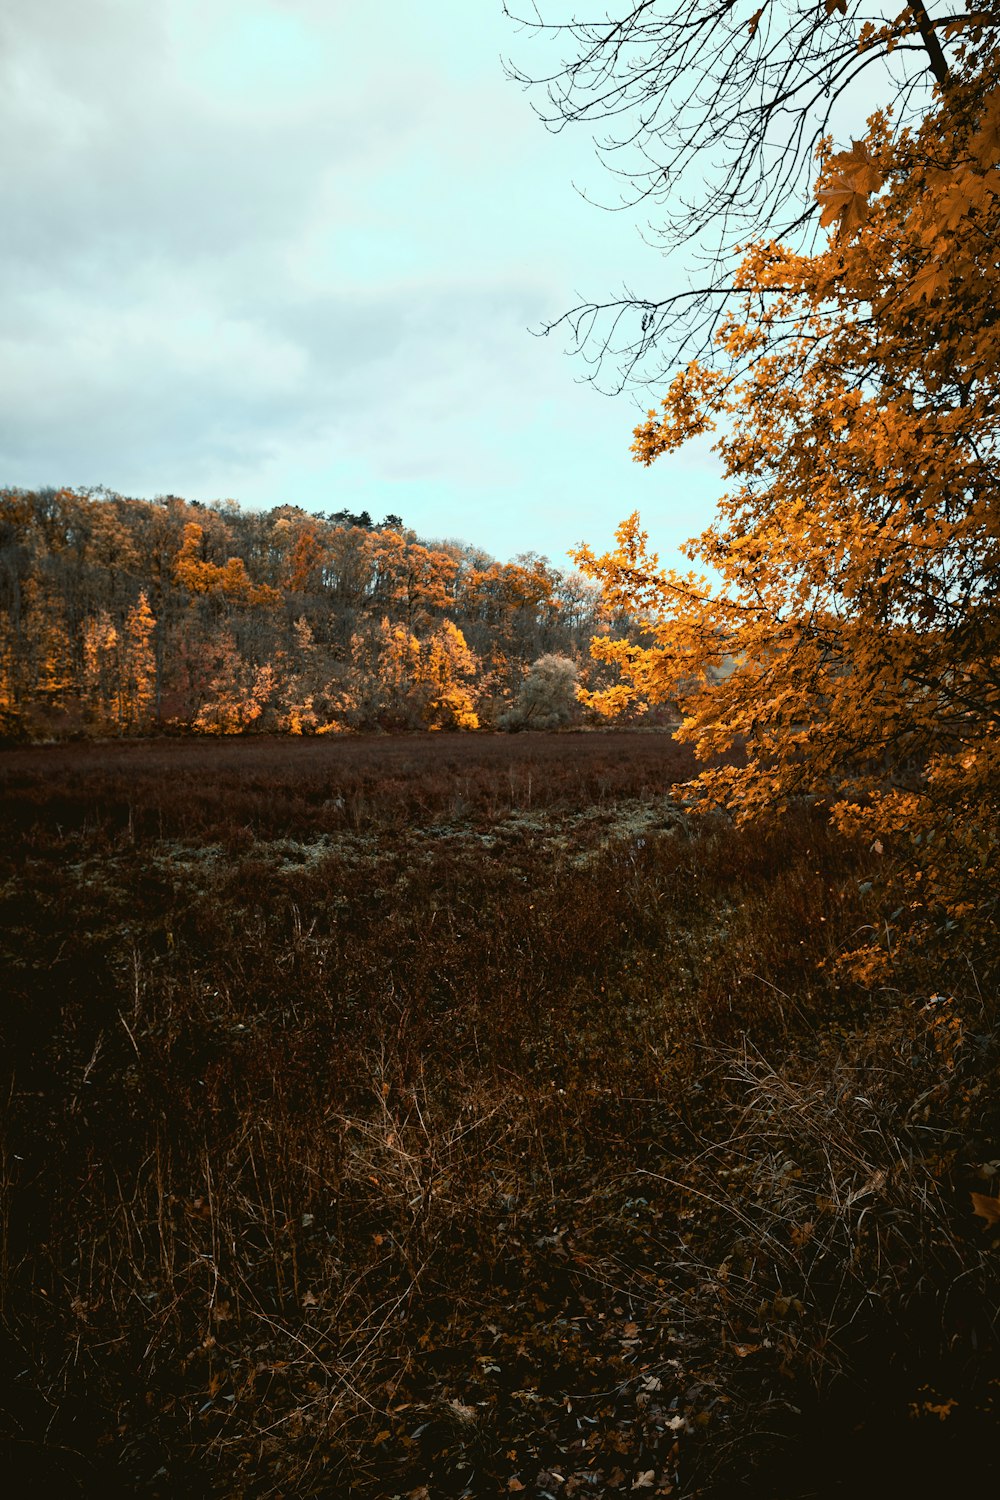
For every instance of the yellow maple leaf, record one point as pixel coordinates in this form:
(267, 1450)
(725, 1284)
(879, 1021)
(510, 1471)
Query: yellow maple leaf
(842, 203)
(850, 179)
(929, 279)
(859, 168)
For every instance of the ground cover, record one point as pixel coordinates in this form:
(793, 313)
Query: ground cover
(440, 1115)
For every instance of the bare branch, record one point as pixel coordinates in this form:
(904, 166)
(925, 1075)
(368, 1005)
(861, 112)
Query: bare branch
(712, 115)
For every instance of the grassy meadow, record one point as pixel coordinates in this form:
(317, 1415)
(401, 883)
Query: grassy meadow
(441, 1115)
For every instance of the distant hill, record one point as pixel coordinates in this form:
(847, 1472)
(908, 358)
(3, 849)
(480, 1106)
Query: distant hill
(120, 615)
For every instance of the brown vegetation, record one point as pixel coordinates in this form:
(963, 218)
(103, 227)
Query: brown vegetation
(447, 1116)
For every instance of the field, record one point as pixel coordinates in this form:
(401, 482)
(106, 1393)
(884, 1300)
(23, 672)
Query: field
(448, 1115)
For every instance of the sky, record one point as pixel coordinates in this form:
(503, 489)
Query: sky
(293, 251)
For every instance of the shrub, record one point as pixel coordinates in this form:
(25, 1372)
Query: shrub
(548, 697)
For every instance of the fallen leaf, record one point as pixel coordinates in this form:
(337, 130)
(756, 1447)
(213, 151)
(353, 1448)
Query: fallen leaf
(464, 1413)
(801, 1234)
(645, 1480)
(988, 1209)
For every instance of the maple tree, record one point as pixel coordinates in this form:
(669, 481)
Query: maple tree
(846, 633)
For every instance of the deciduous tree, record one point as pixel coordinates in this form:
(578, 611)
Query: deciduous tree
(445, 669)
(708, 114)
(548, 697)
(853, 570)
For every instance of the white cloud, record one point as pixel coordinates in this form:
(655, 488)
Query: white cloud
(295, 247)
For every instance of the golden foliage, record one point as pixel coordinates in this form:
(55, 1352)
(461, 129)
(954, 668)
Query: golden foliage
(444, 667)
(843, 628)
(193, 573)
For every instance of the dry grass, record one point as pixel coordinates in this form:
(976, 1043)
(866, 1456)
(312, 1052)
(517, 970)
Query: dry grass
(444, 1111)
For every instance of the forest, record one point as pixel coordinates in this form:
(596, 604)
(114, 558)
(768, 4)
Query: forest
(607, 1108)
(127, 616)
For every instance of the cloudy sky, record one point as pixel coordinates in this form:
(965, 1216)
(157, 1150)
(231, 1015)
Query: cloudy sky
(290, 251)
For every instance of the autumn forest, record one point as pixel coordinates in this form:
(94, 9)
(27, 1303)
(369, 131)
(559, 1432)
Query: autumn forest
(124, 616)
(476, 1028)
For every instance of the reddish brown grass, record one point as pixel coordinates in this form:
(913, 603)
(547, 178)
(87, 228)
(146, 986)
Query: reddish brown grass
(443, 1111)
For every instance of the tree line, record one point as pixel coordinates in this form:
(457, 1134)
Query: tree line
(121, 615)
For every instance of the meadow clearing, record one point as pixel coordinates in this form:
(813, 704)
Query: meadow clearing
(440, 1115)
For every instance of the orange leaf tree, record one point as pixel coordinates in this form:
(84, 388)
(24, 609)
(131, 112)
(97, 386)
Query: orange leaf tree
(844, 626)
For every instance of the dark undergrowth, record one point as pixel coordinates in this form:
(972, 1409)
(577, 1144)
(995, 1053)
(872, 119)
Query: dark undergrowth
(451, 1116)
